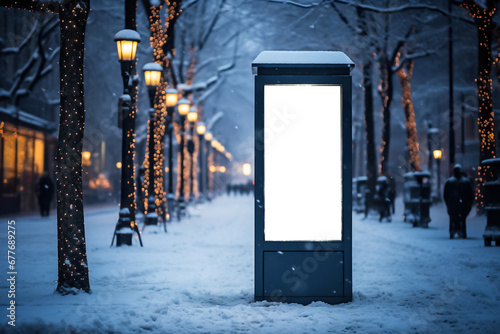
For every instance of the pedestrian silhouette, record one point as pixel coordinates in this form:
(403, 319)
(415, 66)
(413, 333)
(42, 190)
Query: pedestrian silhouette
(384, 201)
(45, 191)
(458, 196)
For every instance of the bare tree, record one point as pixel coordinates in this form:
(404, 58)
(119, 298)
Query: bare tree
(483, 17)
(39, 63)
(162, 18)
(404, 73)
(73, 272)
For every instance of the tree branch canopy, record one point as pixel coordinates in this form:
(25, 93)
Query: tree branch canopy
(33, 5)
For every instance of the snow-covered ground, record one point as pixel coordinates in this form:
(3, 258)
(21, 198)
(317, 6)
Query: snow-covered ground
(198, 278)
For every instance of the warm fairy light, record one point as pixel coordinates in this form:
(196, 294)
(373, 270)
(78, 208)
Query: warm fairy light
(208, 136)
(201, 128)
(437, 154)
(158, 39)
(171, 97)
(118, 165)
(192, 116)
(73, 272)
(483, 20)
(86, 155)
(152, 74)
(247, 169)
(222, 169)
(404, 74)
(126, 43)
(183, 106)
(213, 169)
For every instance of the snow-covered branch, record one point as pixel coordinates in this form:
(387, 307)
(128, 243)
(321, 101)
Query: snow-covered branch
(210, 28)
(412, 56)
(17, 49)
(39, 65)
(33, 5)
(296, 3)
(208, 86)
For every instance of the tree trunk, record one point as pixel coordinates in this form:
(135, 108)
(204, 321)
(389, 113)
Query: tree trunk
(485, 114)
(410, 123)
(72, 260)
(385, 91)
(128, 199)
(162, 41)
(484, 24)
(371, 154)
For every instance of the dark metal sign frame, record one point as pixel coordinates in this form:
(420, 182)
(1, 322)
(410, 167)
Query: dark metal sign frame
(284, 268)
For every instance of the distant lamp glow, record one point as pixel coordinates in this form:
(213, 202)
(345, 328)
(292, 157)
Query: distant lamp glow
(208, 136)
(183, 106)
(213, 169)
(215, 143)
(171, 97)
(437, 154)
(192, 116)
(126, 43)
(118, 165)
(86, 155)
(222, 169)
(247, 169)
(201, 128)
(152, 74)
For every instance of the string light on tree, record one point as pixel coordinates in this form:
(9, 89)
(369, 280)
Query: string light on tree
(483, 19)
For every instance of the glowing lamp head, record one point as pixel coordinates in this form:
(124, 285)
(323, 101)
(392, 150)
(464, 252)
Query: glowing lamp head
(437, 154)
(152, 74)
(126, 43)
(247, 169)
(192, 115)
(222, 169)
(201, 128)
(119, 165)
(213, 169)
(215, 143)
(208, 136)
(183, 106)
(171, 97)
(86, 155)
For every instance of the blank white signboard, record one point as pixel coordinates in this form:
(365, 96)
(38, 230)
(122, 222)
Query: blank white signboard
(303, 163)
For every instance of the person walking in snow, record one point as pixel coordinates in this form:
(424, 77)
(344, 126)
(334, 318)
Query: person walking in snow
(458, 196)
(384, 201)
(45, 191)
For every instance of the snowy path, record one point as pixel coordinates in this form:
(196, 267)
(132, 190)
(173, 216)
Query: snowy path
(199, 279)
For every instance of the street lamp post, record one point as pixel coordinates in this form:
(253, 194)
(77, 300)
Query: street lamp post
(192, 116)
(247, 169)
(438, 155)
(183, 109)
(208, 139)
(126, 41)
(215, 163)
(171, 101)
(432, 142)
(152, 77)
(200, 130)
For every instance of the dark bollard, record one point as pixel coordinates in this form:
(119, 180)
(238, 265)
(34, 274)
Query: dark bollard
(492, 203)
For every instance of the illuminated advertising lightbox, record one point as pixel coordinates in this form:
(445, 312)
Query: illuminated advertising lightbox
(303, 224)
